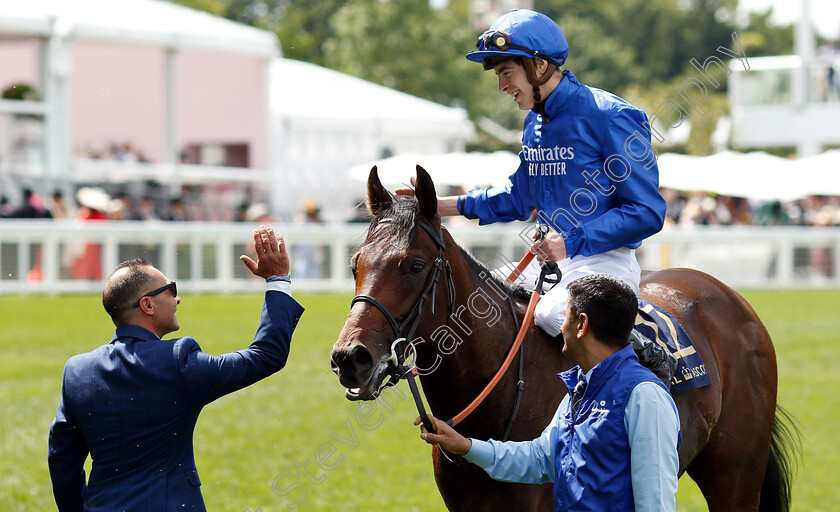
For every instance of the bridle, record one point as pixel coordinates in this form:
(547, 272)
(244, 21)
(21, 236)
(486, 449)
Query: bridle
(409, 372)
(397, 359)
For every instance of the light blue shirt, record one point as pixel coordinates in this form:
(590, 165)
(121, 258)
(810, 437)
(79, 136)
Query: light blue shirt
(279, 286)
(652, 424)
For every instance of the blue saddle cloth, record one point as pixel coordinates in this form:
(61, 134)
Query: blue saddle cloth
(660, 326)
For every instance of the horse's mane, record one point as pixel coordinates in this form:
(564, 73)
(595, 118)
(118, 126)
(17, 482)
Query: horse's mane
(397, 222)
(517, 293)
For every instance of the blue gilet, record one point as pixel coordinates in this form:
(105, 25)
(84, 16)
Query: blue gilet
(592, 454)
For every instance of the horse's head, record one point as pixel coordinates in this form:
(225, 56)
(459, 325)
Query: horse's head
(393, 269)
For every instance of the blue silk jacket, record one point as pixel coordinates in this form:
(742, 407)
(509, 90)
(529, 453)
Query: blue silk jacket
(587, 167)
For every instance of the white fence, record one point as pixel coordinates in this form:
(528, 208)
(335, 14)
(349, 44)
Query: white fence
(42, 256)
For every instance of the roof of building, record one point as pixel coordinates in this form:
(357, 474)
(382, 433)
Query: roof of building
(306, 91)
(146, 22)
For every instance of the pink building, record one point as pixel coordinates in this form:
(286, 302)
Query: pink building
(120, 94)
(103, 91)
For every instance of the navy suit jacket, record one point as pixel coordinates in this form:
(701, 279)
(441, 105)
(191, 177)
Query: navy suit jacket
(133, 404)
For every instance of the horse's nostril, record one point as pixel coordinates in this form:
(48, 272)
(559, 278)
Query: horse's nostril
(351, 360)
(361, 357)
(337, 358)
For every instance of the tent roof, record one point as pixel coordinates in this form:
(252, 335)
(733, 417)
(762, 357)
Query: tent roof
(468, 170)
(304, 90)
(755, 175)
(149, 22)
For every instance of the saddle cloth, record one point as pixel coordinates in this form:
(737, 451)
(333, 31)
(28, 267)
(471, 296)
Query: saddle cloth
(661, 327)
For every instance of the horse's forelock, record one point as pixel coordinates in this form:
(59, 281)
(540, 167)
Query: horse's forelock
(397, 223)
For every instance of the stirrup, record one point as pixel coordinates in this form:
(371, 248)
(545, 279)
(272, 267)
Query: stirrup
(653, 357)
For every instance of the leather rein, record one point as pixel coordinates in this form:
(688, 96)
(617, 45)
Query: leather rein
(412, 320)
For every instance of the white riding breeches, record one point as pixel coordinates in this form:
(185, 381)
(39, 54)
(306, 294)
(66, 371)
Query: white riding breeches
(549, 314)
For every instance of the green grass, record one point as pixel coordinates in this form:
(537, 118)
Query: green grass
(252, 443)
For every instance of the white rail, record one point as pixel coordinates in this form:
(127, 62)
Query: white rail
(43, 256)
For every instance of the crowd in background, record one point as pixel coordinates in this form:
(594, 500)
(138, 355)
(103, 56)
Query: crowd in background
(702, 208)
(119, 151)
(91, 204)
(125, 206)
(684, 208)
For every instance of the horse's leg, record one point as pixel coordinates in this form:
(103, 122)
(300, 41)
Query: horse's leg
(730, 468)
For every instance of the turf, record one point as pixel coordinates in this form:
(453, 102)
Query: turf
(257, 449)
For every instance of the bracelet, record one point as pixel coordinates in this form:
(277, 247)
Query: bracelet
(272, 279)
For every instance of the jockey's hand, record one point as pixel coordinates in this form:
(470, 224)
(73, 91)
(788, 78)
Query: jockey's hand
(446, 437)
(407, 191)
(446, 205)
(552, 247)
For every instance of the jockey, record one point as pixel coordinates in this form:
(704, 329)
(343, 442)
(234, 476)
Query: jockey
(586, 166)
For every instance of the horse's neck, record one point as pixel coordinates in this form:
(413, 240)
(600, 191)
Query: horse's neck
(471, 344)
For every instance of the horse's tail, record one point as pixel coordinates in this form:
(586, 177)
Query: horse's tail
(785, 451)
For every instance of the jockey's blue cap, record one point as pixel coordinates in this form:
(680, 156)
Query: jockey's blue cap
(536, 36)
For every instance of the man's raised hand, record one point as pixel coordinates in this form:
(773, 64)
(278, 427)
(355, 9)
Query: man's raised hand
(272, 258)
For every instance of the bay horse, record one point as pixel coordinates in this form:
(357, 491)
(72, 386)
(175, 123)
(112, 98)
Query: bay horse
(735, 446)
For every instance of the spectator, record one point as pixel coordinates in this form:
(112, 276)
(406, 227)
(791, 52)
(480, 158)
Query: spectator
(772, 214)
(96, 206)
(147, 210)
(126, 210)
(31, 207)
(177, 212)
(58, 208)
(5, 207)
(241, 214)
(258, 213)
(309, 258)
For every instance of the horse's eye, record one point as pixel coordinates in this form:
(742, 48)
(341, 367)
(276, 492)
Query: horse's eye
(417, 267)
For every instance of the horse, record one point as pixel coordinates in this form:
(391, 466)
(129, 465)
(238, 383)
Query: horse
(735, 446)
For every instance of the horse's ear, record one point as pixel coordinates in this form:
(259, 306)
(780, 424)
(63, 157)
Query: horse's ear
(378, 196)
(424, 190)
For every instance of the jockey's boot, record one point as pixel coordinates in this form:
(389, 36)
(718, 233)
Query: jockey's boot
(653, 357)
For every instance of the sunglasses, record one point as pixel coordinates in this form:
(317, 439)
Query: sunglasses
(171, 287)
(498, 40)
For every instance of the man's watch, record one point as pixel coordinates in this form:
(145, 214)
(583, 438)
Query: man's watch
(272, 279)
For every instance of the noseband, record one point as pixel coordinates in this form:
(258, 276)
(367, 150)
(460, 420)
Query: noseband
(412, 320)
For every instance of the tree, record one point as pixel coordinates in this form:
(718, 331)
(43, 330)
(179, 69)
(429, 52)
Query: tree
(409, 46)
(640, 49)
(216, 7)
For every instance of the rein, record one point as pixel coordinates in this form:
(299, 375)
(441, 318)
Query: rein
(549, 268)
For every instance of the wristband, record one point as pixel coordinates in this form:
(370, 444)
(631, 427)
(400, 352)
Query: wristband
(272, 279)
(460, 204)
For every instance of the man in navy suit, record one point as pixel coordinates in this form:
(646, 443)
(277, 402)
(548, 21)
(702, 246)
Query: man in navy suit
(132, 404)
